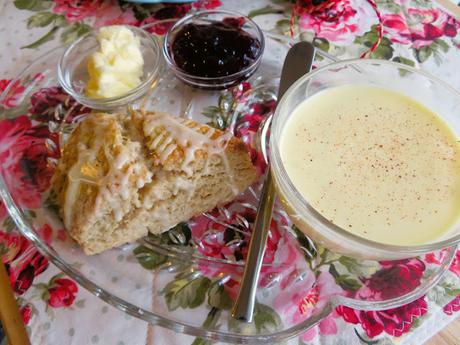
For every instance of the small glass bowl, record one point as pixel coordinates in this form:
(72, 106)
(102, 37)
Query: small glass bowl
(73, 74)
(419, 85)
(213, 83)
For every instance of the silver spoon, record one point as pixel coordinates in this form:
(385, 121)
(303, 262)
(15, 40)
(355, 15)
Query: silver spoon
(297, 63)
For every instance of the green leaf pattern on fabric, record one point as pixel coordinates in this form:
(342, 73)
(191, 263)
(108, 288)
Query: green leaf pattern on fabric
(41, 20)
(186, 293)
(148, 258)
(71, 33)
(218, 298)
(33, 5)
(265, 320)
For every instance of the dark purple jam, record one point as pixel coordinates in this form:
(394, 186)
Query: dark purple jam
(214, 50)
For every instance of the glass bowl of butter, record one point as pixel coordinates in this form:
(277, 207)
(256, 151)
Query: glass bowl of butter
(365, 156)
(110, 67)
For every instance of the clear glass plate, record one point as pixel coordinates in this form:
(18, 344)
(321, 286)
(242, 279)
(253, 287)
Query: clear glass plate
(187, 278)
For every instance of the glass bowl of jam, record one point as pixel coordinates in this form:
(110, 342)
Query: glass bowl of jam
(214, 50)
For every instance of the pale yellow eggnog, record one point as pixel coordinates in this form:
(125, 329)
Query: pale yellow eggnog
(376, 163)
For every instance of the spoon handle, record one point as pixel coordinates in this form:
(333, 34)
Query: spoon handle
(297, 63)
(243, 308)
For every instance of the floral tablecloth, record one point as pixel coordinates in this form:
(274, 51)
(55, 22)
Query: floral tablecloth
(58, 311)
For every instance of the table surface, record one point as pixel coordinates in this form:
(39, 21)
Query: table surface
(49, 325)
(448, 336)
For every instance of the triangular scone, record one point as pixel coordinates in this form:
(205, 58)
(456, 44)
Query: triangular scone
(122, 176)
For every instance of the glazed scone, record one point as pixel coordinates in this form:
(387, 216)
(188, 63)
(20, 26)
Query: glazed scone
(98, 182)
(122, 176)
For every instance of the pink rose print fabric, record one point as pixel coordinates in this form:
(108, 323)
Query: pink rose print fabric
(75, 11)
(62, 293)
(24, 153)
(22, 261)
(341, 22)
(394, 322)
(429, 25)
(415, 32)
(302, 300)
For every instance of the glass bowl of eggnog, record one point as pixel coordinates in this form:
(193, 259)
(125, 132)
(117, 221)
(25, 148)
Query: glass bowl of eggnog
(365, 157)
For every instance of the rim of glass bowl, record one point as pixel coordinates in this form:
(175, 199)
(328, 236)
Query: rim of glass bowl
(299, 203)
(27, 230)
(211, 80)
(118, 101)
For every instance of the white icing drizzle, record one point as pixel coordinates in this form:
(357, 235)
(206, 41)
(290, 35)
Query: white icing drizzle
(172, 132)
(178, 132)
(182, 183)
(114, 187)
(76, 174)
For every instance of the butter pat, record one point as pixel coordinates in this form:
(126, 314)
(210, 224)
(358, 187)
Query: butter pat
(117, 66)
